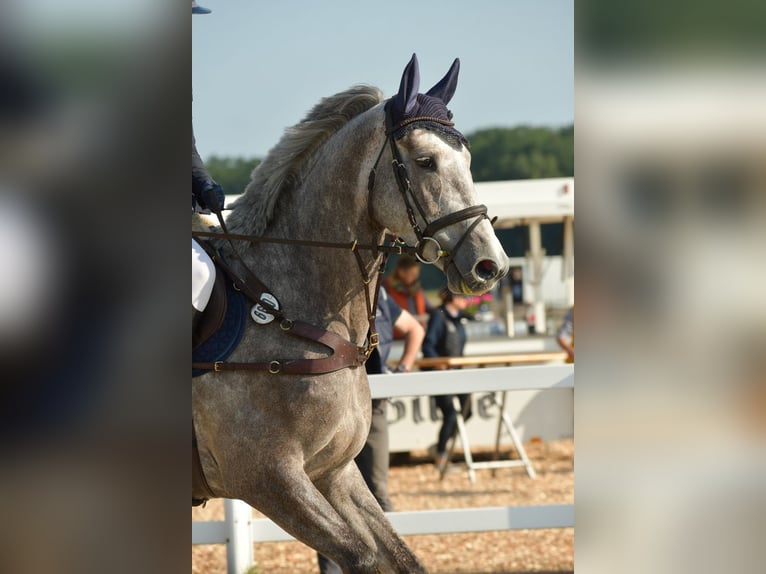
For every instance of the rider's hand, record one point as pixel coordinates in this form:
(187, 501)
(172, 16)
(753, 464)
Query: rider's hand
(214, 196)
(197, 206)
(211, 197)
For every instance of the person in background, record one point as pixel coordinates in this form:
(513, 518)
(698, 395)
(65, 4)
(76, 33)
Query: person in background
(404, 287)
(206, 195)
(565, 335)
(374, 457)
(446, 337)
(517, 286)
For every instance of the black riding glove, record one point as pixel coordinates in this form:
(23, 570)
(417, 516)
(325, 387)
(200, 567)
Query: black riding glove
(210, 196)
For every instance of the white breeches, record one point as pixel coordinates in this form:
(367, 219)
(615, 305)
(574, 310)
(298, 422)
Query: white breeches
(203, 277)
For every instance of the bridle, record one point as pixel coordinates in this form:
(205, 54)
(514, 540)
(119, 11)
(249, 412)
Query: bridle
(428, 249)
(344, 354)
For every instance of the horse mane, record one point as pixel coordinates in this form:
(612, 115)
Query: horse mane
(286, 164)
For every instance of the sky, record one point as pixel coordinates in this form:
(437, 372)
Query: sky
(259, 66)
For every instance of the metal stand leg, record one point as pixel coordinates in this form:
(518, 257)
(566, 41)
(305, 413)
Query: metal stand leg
(498, 434)
(461, 432)
(505, 420)
(516, 439)
(464, 441)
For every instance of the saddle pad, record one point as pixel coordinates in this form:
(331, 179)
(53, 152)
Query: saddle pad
(223, 342)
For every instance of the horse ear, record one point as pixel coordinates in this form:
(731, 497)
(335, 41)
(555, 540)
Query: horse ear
(405, 99)
(445, 89)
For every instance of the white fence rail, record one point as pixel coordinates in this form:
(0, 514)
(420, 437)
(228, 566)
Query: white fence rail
(239, 531)
(537, 377)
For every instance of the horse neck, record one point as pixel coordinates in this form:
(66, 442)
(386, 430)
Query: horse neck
(318, 284)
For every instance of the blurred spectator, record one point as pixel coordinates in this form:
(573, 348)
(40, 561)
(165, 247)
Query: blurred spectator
(404, 287)
(517, 285)
(446, 337)
(373, 459)
(531, 318)
(565, 335)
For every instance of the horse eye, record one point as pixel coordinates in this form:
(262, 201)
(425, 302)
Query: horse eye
(426, 162)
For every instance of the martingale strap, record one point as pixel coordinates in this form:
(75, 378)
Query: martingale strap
(344, 354)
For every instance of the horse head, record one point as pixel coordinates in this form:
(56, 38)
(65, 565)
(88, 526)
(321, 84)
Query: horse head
(435, 207)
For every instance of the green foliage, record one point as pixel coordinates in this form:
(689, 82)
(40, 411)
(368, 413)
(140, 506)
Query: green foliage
(522, 153)
(497, 154)
(233, 173)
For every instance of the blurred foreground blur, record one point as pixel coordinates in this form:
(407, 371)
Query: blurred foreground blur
(94, 116)
(670, 406)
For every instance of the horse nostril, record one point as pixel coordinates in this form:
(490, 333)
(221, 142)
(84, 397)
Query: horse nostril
(486, 269)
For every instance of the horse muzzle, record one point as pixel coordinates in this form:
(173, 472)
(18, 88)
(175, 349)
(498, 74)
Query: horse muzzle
(478, 265)
(483, 276)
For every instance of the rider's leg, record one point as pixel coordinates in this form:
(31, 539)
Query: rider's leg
(203, 277)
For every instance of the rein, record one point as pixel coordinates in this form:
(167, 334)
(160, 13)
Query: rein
(398, 248)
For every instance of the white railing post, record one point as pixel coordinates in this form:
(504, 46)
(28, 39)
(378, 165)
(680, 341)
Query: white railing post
(535, 256)
(239, 543)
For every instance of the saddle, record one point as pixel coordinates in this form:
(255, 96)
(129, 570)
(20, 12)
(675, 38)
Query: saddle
(211, 319)
(217, 331)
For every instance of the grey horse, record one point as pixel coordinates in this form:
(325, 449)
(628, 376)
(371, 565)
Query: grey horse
(285, 443)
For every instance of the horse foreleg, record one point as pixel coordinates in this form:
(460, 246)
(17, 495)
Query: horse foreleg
(352, 499)
(295, 504)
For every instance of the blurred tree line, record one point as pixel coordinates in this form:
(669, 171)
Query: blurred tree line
(522, 153)
(497, 154)
(233, 173)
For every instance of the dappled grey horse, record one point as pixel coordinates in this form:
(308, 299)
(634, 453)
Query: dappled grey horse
(282, 433)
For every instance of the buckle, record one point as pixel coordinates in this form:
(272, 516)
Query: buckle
(372, 342)
(435, 251)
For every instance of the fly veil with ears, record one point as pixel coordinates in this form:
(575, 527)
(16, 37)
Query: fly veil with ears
(409, 110)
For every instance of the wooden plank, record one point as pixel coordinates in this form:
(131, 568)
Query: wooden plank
(482, 360)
